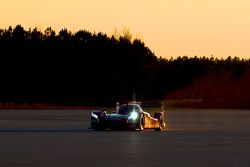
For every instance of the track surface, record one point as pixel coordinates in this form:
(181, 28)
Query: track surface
(51, 138)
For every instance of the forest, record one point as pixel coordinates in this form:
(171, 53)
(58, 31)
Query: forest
(85, 68)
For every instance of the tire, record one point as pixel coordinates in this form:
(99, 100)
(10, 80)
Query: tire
(162, 124)
(142, 123)
(159, 129)
(97, 123)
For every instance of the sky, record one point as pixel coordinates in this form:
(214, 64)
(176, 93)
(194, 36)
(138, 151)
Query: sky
(170, 28)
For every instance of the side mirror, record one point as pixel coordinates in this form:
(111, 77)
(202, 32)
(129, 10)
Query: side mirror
(162, 106)
(104, 113)
(117, 106)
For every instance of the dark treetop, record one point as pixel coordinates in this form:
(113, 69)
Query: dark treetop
(89, 68)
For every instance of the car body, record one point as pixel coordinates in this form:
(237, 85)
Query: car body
(128, 116)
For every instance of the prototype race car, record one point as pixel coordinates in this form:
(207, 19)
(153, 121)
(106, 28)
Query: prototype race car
(128, 116)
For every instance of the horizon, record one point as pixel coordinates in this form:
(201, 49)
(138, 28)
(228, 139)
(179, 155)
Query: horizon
(169, 28)
(123, 34)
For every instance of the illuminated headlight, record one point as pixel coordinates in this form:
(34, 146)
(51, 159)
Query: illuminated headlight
(133, 115)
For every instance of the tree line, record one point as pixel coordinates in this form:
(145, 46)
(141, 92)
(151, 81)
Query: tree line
(85, 68)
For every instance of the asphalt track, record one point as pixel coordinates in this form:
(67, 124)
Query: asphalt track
(61, 138)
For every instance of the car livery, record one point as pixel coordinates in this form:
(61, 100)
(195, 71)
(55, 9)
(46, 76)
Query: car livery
(128, 116)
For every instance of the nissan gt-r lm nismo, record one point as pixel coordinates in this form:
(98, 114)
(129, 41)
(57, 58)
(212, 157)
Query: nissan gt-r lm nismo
(128, 116)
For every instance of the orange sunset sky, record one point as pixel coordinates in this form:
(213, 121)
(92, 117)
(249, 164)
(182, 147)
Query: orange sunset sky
(168, 27)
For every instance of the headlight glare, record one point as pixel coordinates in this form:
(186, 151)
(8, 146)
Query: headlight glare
(133, 115)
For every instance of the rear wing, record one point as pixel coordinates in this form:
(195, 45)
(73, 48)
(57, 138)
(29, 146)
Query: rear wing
(131, 102)
(135, 102)
(146, 105)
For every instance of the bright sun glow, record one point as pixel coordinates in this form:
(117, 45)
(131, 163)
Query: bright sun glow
(168, 27)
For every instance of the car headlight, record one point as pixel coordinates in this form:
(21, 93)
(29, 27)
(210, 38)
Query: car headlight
(134, 115)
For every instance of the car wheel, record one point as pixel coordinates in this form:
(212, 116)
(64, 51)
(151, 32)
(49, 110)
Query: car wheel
(162, 124)
(142, 123)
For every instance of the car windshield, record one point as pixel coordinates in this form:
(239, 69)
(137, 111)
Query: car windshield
(126, 109)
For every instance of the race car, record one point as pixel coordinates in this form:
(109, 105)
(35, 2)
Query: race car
(128, 116)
